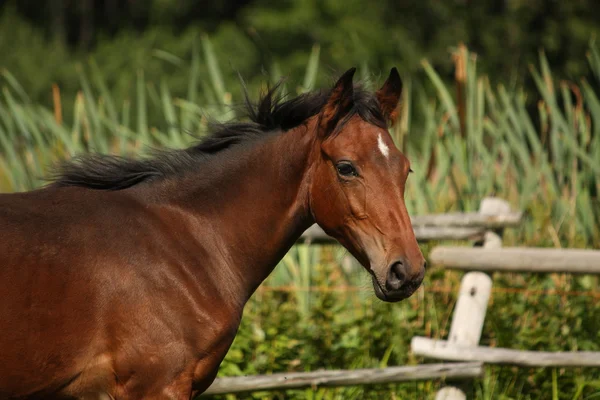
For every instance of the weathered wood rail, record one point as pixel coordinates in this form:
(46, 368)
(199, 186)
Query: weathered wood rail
(443, 350)
(451, 226)
(331, 378)
(517, 259)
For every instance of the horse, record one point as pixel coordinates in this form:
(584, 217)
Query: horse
(126, 278)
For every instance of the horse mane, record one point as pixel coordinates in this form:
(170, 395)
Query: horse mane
(272, 113)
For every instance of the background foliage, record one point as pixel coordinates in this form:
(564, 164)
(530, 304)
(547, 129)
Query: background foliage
(41, 41)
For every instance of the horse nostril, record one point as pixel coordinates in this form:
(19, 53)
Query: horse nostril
(396, 276)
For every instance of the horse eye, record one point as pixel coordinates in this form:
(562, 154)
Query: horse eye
(345, 168)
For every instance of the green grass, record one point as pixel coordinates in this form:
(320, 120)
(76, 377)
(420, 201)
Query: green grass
(540, 151)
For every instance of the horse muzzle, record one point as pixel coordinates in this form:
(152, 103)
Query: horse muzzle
(400, 281)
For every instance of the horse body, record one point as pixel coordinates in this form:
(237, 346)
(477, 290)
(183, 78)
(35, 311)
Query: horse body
(177, 298)
(137, 292)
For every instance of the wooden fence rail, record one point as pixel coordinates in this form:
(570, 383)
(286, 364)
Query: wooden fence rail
(517, 259)
(451, 226)
(442, 350)
(331, 378)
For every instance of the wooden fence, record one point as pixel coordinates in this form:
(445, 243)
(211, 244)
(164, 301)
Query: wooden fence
(469, 313)
(462, 346)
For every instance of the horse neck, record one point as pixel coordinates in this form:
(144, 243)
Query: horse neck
(248, 210)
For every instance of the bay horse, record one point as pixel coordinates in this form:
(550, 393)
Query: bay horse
(126, 278)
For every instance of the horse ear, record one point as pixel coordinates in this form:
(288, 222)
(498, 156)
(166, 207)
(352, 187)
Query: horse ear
(340, 101)
(389, 96)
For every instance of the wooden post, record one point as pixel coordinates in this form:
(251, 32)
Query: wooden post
(474, 293)
(467, 321)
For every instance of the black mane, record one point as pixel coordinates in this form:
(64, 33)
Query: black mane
(272, 113)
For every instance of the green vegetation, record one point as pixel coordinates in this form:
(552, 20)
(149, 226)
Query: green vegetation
(466, 140)
(42, 41)
(484, 140)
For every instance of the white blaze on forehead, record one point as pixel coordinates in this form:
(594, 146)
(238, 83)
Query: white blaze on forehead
(385, 150)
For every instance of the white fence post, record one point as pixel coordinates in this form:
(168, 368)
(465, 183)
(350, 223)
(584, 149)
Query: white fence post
(471, 307)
